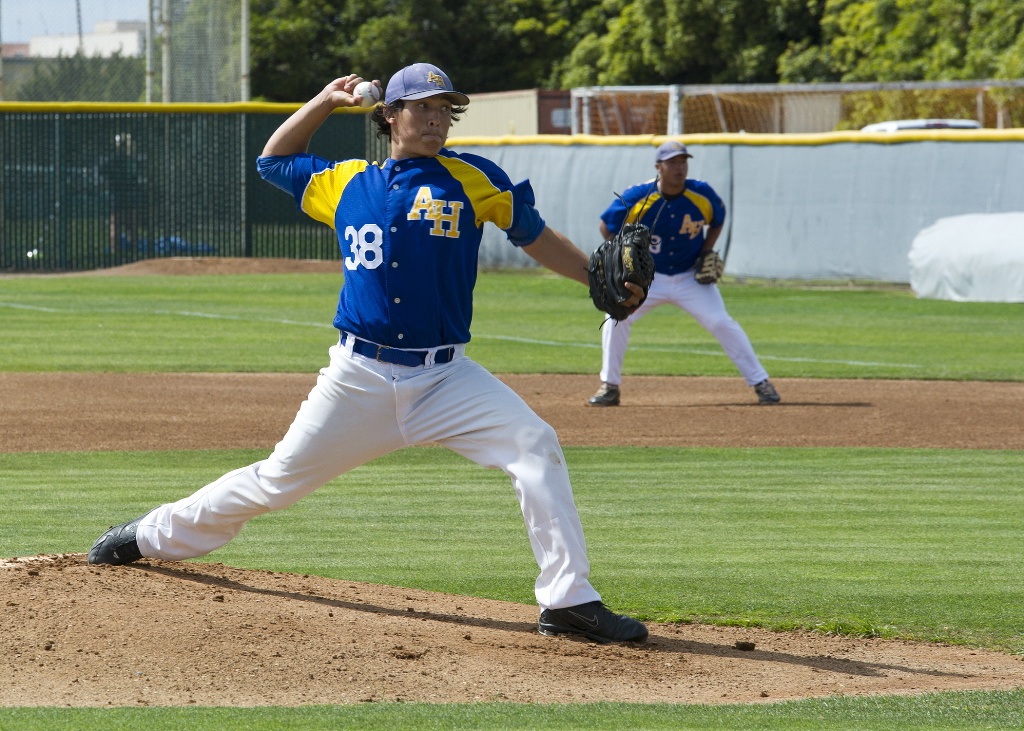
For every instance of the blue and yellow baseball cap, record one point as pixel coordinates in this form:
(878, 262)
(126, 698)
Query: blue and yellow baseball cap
(419, 81)
(670, 149)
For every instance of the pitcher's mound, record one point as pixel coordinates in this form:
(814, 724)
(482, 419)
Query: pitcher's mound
(166, 633)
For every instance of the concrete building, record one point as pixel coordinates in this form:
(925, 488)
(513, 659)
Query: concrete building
(108, 38)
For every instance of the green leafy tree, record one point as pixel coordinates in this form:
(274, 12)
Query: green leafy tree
(915, 40)
(294, 47)
(995, 47)
(80, 78)
(300, 45)
(911, 40)
(690, 41)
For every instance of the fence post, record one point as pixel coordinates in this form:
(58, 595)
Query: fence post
(675, 110)
(243, 121)
(244, 61)
(60, 235)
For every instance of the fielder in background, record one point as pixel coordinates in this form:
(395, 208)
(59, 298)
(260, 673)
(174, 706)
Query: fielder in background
(686, 218)
(409, 230)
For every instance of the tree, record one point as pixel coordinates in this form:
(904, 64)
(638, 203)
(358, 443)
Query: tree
(690, 41)
(995, 47)
(916, 40)
(912, 40)
(80, 78)
(298, 46)
(293, 48)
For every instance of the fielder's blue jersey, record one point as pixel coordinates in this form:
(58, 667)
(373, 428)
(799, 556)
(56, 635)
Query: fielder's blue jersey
(679, 234)
(409, 232)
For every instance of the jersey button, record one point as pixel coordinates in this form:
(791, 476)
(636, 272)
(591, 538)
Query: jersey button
(401, 336)
(394, 265)
(398, 300)
(394, 228)
(394, 187)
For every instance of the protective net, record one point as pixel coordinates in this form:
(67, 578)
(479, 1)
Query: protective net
(790, 108)
(110, 51)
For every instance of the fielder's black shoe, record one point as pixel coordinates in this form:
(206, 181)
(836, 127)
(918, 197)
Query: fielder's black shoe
(766, 393)
(594, 621)
(117, 546)
(607, 395)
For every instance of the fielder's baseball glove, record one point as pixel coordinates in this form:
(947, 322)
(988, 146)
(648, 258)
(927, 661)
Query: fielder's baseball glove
(624, 258)
(709, 267)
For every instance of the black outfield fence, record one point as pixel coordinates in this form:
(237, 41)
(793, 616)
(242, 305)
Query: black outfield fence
(87, 186)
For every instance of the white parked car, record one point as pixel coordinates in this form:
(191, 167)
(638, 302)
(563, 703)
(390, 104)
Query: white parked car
(902, 124)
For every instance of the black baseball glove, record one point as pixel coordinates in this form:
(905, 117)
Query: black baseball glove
(624, 258)
(709, 267)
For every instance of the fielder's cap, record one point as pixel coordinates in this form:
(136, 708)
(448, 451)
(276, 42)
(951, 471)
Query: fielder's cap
(422, 80)
(670, 149)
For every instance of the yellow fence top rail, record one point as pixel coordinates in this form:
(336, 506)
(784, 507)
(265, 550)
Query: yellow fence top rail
(159, 108)
(739, 138)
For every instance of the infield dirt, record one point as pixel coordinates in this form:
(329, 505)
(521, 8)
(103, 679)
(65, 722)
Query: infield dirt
(165, 633)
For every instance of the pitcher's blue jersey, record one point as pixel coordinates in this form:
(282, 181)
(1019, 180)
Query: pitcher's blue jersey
(409, 232)
(679, 234)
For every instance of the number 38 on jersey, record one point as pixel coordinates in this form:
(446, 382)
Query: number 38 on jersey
(365, 243)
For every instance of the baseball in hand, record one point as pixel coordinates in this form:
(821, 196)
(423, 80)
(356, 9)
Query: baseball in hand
(369, 93)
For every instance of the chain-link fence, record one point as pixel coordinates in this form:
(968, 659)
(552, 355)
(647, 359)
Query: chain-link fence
(93, 185)
(124, 50)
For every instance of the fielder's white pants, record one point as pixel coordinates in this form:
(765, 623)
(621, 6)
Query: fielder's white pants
(361, 409)
(704, 302)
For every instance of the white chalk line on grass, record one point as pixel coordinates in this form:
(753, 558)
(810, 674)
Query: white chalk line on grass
(527, 341)
(694, 351)
(181, 313)
(16, 306)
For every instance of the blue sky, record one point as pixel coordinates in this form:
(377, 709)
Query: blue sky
(22, 19)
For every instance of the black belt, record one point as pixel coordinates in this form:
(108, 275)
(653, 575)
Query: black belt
(385, 354)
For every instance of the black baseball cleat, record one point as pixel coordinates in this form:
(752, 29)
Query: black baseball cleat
(594, 621)
(607, 395)
(766, 393)
(117, 546)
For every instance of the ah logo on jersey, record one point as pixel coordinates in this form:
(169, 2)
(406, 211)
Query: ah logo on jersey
(692, 228)
(426, 207)
(434, 79)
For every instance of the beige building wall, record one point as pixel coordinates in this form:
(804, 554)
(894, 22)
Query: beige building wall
(500, 113)
(517, 113)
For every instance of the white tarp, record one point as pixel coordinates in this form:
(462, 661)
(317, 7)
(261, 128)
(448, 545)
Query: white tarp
(971, 258)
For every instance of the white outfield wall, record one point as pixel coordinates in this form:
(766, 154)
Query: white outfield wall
(840, 205)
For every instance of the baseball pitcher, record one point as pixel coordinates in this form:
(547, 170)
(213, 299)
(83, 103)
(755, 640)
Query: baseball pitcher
(409, 233)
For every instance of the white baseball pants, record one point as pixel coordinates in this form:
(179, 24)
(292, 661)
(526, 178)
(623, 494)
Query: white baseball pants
(704, 302)
(361, 409)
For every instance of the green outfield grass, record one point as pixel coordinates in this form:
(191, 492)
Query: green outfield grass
(524, 322)
(921, 544)
(935, 712)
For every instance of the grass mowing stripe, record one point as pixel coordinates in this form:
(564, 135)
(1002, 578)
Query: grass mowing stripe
(691, 351)
(909, 543)
(175, 313)
(961, 711)
(527, 341)
(102, 326)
